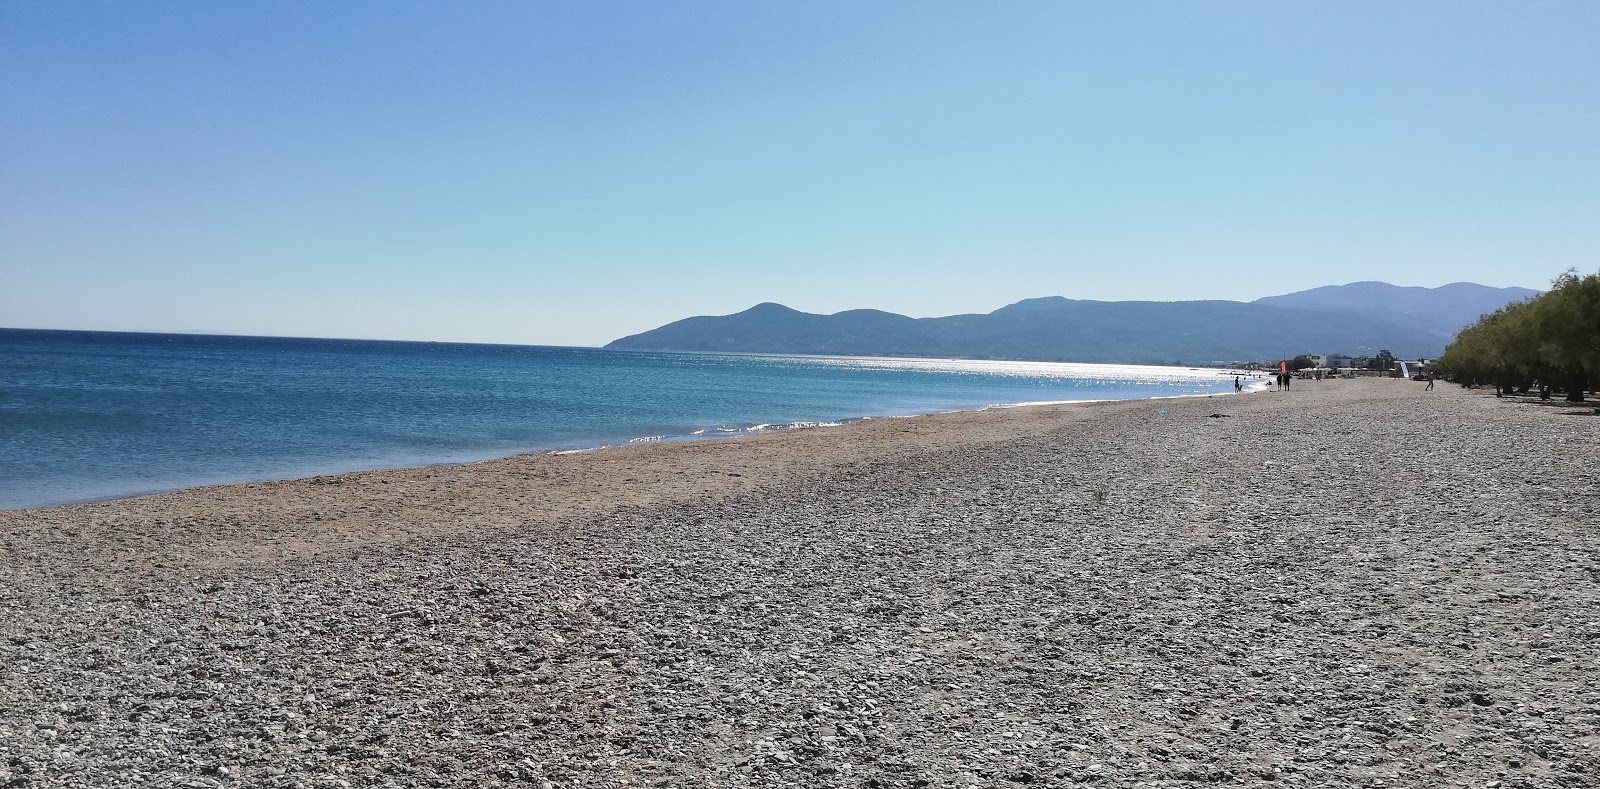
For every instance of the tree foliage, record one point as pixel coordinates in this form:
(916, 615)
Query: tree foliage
(1551, 340)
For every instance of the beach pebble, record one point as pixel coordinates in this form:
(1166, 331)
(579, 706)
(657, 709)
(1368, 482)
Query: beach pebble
(1117, 601)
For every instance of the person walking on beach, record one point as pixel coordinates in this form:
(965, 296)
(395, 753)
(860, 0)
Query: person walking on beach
(1237, 387)
(1431, 376)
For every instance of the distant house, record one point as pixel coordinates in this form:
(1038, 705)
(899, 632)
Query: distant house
(1317, 359)
(1341, 361)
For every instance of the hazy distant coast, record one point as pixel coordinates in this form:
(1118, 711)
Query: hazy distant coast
(1360, 318)
(1344, 584)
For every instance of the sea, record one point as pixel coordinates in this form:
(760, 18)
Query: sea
(87, 416)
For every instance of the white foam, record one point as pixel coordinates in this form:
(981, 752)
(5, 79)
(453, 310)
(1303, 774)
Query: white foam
(1039, 402)
(583, 451)
(767, 428)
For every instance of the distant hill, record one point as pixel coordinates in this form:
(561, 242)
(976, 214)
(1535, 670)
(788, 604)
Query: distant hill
(1441, 311)
(1053, 328)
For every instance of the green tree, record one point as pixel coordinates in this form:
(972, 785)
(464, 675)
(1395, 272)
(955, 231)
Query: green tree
(1566, 327)
(1552, 340)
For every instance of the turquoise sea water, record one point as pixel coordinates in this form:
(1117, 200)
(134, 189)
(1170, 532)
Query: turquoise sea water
(92, 415)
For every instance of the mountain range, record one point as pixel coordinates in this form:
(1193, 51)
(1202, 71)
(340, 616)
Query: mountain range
(1360, 319)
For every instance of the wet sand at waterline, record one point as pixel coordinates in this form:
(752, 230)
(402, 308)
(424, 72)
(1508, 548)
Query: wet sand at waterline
(1351, 583)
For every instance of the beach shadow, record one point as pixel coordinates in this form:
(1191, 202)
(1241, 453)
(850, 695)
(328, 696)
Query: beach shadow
(1554, 402)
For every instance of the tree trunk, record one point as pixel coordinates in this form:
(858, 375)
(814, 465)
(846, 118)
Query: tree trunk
(1577, 384)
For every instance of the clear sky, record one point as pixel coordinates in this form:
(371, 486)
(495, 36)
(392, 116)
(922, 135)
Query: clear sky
(567, 173)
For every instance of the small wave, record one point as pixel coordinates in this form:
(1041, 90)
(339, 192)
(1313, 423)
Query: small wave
(646, 439)
(766, 428)
(1027, 403)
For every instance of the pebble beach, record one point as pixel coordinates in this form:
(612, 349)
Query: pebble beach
(1353, 583)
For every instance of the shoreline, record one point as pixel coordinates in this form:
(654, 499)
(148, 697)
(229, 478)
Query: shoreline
(241, 417)
(705, 434)
(213, 526)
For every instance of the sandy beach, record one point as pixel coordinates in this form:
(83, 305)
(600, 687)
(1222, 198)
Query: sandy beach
(1353, 583)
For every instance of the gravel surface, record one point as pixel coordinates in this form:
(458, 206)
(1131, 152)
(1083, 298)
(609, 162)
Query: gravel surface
(1352, 583)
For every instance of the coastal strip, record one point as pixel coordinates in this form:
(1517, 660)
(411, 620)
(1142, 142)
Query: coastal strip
(217, 526)
(1353, 583)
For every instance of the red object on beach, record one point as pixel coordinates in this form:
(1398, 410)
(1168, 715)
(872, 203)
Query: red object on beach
(1283, 366)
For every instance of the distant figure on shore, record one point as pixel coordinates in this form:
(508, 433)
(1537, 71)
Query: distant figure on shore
(1431, 376)
(1237, 387)
(1287, 377)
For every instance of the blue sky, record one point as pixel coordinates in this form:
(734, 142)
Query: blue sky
(567, 173)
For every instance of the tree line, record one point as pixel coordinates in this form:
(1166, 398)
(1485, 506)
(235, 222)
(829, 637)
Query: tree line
(1551, 341)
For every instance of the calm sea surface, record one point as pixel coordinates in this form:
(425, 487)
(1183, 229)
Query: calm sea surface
(91, 415)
